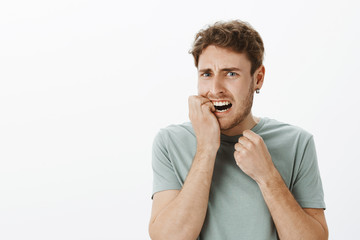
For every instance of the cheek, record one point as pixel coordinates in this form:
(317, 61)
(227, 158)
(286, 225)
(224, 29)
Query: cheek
(202, 88)
(241, 91)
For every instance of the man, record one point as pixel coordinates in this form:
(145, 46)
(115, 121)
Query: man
(228, 174)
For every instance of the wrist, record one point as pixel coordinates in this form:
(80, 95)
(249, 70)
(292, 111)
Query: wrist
(272, 180)
(207, 149)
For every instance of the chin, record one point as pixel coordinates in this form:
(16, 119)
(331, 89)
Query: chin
(226, 125)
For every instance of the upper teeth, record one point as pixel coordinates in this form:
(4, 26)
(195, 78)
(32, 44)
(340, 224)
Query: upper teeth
(221, 103)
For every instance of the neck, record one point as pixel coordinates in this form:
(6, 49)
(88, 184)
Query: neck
(248, 123)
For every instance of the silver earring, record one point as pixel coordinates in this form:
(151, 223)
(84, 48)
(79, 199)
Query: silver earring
(257, 91)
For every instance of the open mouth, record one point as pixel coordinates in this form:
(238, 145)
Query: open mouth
(222, 106)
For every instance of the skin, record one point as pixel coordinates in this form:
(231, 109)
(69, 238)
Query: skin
(216, 82)
(180, 214)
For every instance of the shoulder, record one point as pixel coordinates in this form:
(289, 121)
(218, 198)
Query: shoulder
(173, 130)
(175, 133)
(286, 132)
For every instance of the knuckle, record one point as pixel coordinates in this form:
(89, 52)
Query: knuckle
(205, 105)
(193, 99)
(244, 152)
(247, 132)
(197, 101)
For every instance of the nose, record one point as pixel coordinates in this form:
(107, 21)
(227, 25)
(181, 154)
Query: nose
(217, 86)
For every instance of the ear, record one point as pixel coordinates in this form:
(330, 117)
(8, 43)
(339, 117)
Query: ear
(259, 76)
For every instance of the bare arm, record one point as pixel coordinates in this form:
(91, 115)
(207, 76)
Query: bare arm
(184, 216)
(181, 214)
(292, 221)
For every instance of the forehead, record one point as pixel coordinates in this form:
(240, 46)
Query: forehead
(215, 57)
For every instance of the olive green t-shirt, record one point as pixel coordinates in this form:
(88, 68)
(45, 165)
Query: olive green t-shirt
(236, 208)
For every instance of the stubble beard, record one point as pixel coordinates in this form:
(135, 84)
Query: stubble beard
(247, 105)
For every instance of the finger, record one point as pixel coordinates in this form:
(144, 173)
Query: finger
(198, 100)
(237, 157)
(204, 102)
(192, 100)
(209, 106)
(202, 99)
(253, 137)
(195, 103)
(192, 103)
(239, 147)
(239, 152)
(245, 142)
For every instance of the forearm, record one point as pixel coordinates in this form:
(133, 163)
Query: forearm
(291, 221)
(184, 216)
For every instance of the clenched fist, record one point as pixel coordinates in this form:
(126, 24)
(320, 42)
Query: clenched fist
(205, 123)
(253, 157)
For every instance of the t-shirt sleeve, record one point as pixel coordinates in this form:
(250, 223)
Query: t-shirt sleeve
(308, 190)
(164, 177)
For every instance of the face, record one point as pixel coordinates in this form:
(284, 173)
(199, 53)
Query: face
(224, 77)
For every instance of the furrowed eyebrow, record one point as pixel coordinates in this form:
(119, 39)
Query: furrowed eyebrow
(222, 70)
(231, 69)
(204, 70)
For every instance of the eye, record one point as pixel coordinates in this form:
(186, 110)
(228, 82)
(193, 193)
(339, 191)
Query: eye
(205, 74)
(231, 74)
